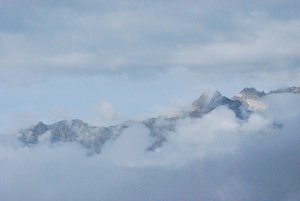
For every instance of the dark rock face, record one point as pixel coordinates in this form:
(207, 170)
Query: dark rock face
(203, 105)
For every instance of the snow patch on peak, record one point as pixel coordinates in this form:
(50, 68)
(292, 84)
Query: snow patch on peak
(201, 101)
(255, 105)
(205, 99)
(250, 98)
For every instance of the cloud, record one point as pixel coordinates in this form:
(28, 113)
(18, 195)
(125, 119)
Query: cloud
(73, 51)
(215, 133)
(104, 114)
(270, 45)
(128, 149)
(128, 37)
(217, 157)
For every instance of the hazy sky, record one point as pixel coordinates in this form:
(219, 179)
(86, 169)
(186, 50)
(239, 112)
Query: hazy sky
(105, 61)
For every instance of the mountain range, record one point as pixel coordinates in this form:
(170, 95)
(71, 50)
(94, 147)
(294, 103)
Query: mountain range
(94, 138)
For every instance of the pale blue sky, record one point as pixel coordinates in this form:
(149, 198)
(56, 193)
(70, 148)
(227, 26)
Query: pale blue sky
(58, 59)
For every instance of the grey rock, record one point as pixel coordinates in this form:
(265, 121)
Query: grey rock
(159, 129)
(203, 105)
(252, 93)
(90, 137)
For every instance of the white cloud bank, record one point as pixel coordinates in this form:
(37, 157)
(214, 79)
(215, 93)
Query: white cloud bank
(218, 157)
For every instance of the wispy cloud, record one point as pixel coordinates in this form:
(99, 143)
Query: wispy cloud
(125, 37)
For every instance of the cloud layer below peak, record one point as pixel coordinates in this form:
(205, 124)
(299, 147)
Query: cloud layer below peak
(217, 157)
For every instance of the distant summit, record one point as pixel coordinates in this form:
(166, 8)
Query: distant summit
(249, 97)
(204, 105)
(88, 136)
(251, 93)
(94, 138)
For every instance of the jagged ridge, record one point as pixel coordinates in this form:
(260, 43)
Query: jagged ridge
(94, 138)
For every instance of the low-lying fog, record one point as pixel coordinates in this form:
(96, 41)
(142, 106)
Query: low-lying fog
(217, 157)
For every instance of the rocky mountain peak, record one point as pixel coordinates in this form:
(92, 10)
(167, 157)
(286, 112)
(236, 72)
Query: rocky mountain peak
(251, 93)
(93, 138)
(216, 94)
(200, 102)
(205, 99)
(205, 104)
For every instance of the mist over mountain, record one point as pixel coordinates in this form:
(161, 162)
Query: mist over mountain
(117, 100)
(240, 148)
(94, 138)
